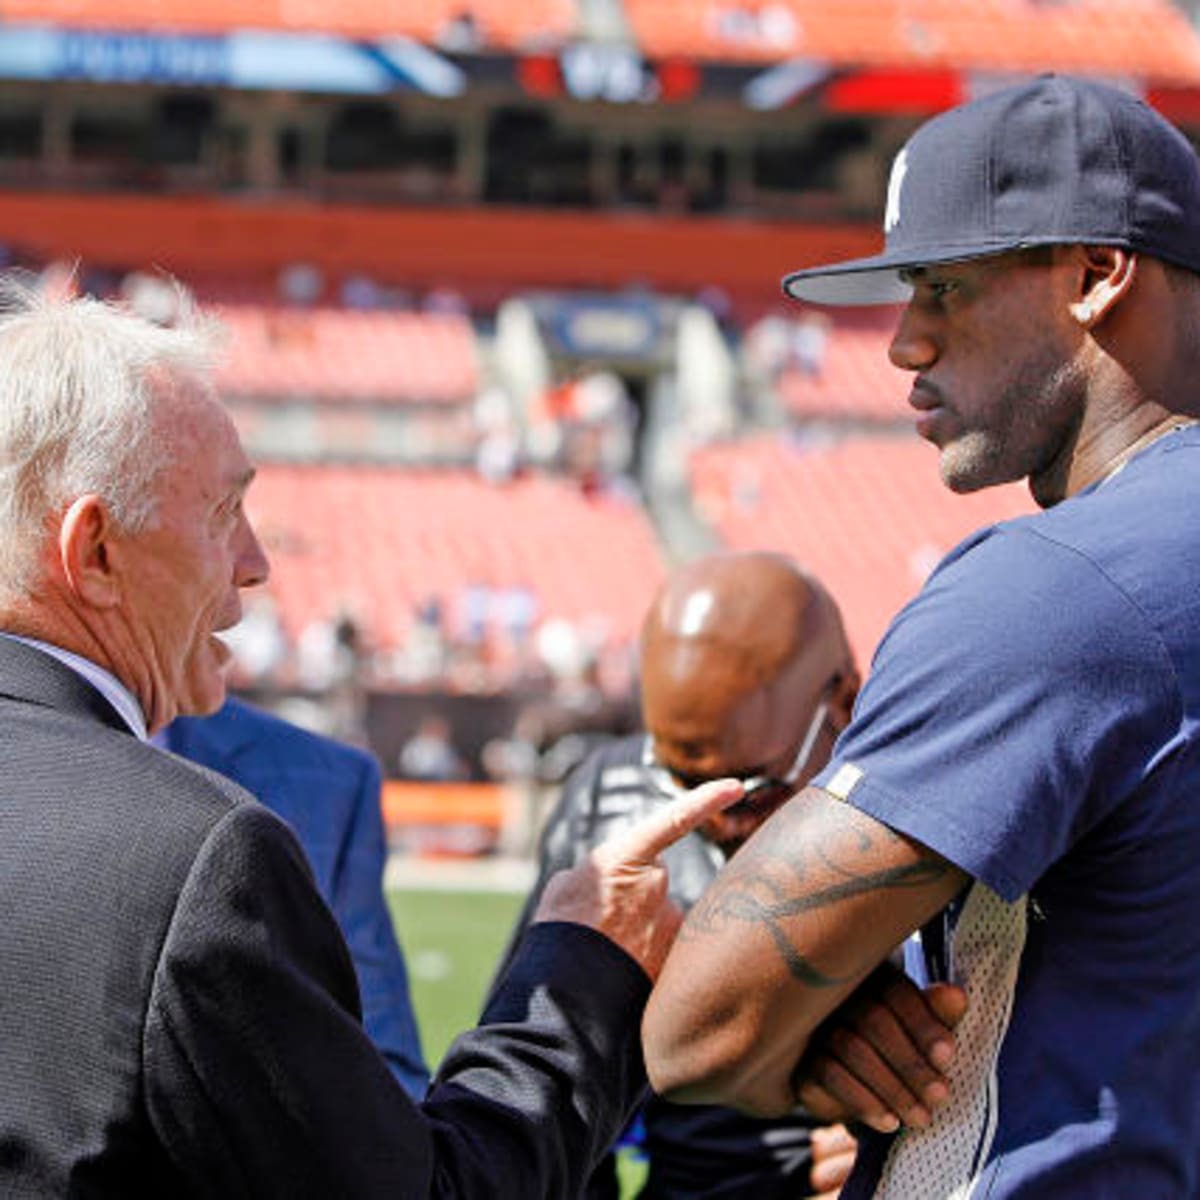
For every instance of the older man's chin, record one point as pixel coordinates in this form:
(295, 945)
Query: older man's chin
(206, 683)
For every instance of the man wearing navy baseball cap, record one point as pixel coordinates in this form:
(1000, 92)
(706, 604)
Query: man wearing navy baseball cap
(1019, 786)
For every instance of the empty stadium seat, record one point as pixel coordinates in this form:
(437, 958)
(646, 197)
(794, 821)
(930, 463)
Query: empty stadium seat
(867, 514)
(381, 542)
(337, 354)
(1142, 38)
(500, 25)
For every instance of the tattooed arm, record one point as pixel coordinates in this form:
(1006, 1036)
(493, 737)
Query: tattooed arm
(801, 915)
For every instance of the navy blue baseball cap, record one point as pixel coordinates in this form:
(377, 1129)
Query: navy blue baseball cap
(1056, 160)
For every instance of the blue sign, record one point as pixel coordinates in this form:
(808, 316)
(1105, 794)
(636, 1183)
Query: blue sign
(243, 59)
(139, 58)
(606, 327)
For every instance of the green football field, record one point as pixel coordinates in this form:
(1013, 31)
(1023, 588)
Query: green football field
(452, 942)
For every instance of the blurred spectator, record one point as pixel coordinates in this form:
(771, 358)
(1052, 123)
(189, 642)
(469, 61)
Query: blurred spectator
(329, 651)
(301, 284)
(360, 292)
(317, 655)
(498, 451)
(561, 647)
(773, 25)
(474, 614)
(810, 342)
(258, 641)
(766, 347)
(425, 653)
(461, 33)
(347, 635)
(445, 300)
(516, 613)
(153, 297)
(430, 754)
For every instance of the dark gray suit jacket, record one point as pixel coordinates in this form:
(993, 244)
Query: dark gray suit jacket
(179, 1013)
(329, 794)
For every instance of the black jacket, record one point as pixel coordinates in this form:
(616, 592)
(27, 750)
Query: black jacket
(179, 1013)
(695, 1152)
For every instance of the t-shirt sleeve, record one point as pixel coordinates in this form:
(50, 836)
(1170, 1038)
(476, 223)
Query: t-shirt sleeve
(1010, 707)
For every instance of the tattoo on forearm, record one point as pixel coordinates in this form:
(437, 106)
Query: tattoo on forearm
(756, 891)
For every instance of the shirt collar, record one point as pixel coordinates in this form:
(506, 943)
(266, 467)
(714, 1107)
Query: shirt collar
(104, 681)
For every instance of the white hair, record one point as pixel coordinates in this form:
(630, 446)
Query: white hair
(79, 382)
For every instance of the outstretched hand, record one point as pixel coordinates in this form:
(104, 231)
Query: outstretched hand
(620, 889)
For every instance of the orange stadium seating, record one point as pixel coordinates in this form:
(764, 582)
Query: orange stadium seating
(337, 354)
(868, 515)
(1144, 38)
(380, 542)
(856, 381)
(501, 24)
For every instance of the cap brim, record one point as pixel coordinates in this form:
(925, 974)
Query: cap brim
(848, 284)
(876, 280)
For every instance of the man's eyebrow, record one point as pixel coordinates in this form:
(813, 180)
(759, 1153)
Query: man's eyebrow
(238, 485)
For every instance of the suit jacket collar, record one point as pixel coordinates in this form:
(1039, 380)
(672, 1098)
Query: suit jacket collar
(35, 677)
(224, 731)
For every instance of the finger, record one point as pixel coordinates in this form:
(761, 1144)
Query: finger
(927, 1019)
(828, 1140)
(821, 1104)
(879, 1026)
(902, 1087)
(854, 1097)
(652, 835)
(827, 1176)
(948, 1001)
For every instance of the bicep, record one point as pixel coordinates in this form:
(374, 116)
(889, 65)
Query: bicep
(805, 910)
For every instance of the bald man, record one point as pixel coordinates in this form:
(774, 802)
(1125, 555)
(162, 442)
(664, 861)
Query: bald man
(745, 672)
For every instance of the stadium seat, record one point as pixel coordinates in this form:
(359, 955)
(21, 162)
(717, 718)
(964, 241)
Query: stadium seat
(867, 514)
(381, 542)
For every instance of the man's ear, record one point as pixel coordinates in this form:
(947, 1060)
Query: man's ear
(1106, 275)
(84, 539)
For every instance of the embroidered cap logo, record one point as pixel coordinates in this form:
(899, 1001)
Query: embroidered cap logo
(891, 215)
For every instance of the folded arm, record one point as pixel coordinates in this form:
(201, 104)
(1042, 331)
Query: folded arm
(805, 911)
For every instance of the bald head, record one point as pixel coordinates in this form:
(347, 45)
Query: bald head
(738, 652)
(746, 616)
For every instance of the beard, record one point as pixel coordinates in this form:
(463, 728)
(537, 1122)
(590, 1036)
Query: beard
(1028, 431)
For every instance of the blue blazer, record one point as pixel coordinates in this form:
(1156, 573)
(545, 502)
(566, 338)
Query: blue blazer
(329, 793)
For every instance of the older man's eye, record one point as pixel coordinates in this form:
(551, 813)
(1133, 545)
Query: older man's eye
(942, 287)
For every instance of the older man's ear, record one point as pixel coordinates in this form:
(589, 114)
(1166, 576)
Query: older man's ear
(84, 543)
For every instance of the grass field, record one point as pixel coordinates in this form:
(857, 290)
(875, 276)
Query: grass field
(452, 942)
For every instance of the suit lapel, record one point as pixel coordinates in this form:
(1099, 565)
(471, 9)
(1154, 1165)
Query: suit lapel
(32, 676)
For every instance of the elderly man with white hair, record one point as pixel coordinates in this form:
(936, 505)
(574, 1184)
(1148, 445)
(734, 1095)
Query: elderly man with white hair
(178, 1011)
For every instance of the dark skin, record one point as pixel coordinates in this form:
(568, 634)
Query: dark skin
(737, 653)
(1056, 368)
(746, 671)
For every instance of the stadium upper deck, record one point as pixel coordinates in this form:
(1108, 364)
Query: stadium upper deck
(1150, 39)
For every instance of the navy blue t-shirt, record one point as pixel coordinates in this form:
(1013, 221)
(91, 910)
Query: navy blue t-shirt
(1032, 716)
